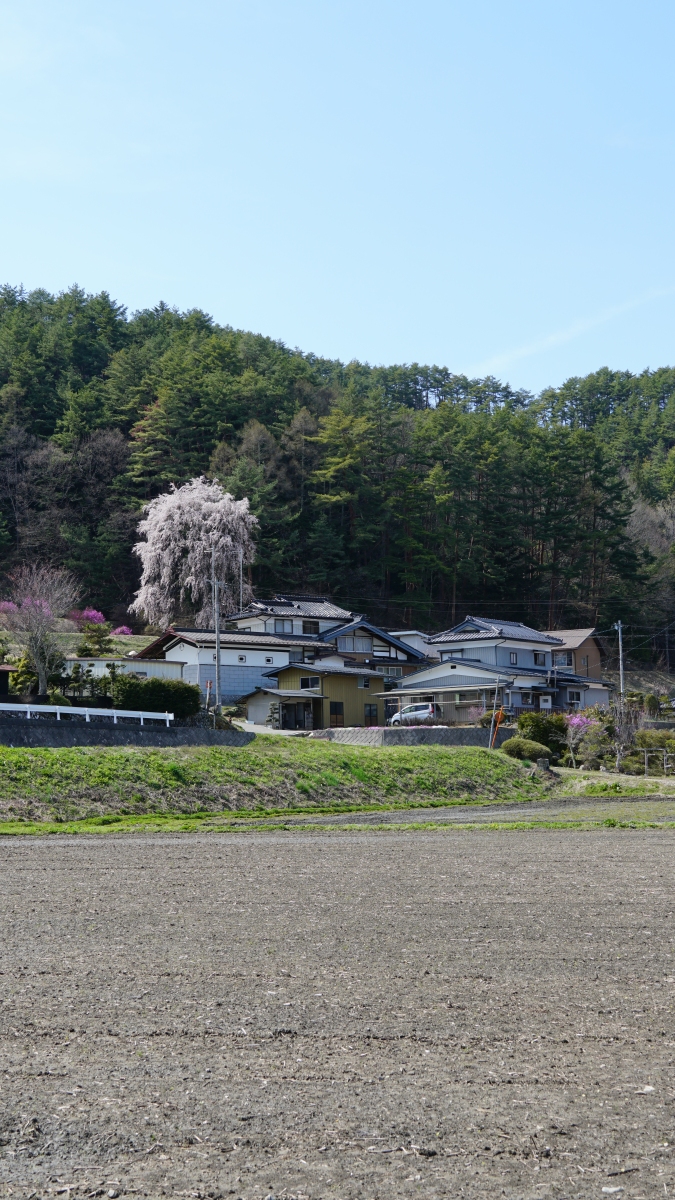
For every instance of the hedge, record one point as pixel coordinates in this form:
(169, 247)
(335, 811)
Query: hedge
(157, 695)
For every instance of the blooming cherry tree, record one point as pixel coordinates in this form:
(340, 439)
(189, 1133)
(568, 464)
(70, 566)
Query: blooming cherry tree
(181, 527)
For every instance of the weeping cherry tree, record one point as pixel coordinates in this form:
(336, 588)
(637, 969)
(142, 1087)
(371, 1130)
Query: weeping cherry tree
(181, 528)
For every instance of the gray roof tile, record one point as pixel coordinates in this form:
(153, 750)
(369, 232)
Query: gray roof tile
(486, 629)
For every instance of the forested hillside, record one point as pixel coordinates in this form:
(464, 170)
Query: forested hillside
(406, 491)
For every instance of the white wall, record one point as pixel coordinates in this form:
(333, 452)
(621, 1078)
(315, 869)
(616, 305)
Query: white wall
(230, 656)
(150, 668)
(258, 707)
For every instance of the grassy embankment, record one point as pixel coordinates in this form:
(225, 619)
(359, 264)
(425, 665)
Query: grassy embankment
(92, 788)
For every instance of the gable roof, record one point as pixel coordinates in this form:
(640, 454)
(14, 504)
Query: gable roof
(330, 635)
(480, 628)
(314, 669)
(571, 639)
(549, 676)
(291, 605)
(206, 638)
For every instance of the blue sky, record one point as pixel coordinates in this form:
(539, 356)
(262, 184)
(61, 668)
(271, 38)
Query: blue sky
(484, 185)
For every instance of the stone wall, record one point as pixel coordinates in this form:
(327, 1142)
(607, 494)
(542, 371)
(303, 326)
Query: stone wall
(44, 732)
(417, 736)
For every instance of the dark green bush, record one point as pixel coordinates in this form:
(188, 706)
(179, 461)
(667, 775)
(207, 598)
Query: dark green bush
(520, 747)
(549, 729)
(157, 695)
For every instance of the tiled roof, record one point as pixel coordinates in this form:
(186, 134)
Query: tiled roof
(484, 629)
(295, 606)
(234, 637)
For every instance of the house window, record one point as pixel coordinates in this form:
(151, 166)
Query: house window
(562, 658)
(395, 672)
(355, 645)
(311, 627)
(539, 659)
(295, 656)
(584, 661)
(337, 714)
(526, 698)
(370, 713)
(281, 625)
(269, 659)
(242, 658)
(513, 658)
(451, 654)
(574, 699)
(364, 681)
(310, 681)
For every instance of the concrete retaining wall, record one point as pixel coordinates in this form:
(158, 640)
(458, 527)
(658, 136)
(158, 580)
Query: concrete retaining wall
(104, 733)
(419, 736)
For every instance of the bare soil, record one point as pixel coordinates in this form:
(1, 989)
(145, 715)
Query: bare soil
(350, 1015)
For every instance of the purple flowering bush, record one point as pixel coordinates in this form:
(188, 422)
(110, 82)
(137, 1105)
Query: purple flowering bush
(578, 727)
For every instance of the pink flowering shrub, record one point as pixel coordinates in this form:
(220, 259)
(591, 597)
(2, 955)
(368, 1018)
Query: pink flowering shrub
(87, 616)
(122, 631)
(93, 617)
(8, 606)
(577, 727)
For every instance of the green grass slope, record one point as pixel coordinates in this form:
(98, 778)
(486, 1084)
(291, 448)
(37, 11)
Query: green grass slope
(271, 775)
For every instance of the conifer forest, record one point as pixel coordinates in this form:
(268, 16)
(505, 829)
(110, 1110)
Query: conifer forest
(407, 492)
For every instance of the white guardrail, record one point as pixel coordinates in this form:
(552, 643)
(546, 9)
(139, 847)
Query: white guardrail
(87, 713)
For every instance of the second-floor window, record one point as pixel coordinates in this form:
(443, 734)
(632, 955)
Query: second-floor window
(282, 625)
(310, 627)
(355, 645)
(513, 658)
(539, 659)
(309, 681)
(562, 658)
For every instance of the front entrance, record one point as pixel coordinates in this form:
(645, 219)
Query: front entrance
(297, 715)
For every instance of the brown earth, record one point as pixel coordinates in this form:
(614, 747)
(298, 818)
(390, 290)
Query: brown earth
(357, 1015)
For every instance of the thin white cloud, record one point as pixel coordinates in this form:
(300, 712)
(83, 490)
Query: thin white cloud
(500, 361)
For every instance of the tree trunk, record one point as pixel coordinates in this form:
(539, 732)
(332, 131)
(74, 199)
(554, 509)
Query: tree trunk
(42, 678)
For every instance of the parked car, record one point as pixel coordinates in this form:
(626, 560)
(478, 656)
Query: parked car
(412, 714)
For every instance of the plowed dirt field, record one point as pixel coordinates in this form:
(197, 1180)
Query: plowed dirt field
(349, 1015)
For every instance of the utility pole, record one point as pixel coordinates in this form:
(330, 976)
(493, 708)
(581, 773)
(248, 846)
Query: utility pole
(216, 623)
(241, 578)
(619, 626)
(498, 680)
